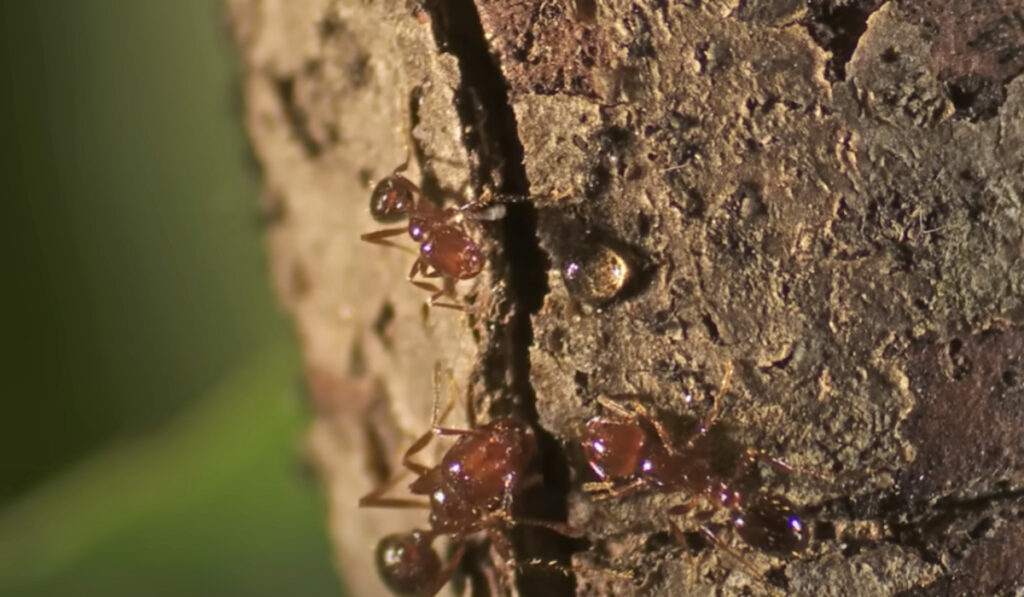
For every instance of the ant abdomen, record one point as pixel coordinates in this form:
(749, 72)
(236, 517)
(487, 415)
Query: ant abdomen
(451, 251)
(770, 523)
(408, 564)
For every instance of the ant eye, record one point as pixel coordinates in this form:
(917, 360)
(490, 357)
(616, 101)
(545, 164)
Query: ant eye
(596, 274)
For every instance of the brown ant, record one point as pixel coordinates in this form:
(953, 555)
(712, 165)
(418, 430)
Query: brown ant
(470, 491)
(447, 250)
(629, 449)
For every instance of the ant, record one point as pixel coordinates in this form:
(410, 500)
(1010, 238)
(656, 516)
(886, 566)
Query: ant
(630, 449)
(472, 490)
(447, 250)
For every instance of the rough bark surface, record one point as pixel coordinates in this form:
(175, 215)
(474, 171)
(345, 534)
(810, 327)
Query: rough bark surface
(825, 195)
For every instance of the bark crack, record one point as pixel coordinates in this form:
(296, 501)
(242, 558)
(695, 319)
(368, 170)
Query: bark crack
(491, 136)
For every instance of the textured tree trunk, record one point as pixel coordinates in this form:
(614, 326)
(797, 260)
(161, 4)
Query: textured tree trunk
(825, 196)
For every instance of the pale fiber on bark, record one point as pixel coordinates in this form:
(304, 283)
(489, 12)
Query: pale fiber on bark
(852, 246)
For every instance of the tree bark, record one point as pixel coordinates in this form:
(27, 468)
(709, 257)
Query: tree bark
(823, 196)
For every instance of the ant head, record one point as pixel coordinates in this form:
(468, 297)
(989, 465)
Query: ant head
(613, 448)
(392, 199)
(770, 523)
(407, 563)
(482, 468)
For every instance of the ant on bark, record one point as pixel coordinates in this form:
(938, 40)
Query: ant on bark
(629, 449)
(471, 491)
(447, 249)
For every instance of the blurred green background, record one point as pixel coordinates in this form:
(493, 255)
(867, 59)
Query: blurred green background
(151, 424)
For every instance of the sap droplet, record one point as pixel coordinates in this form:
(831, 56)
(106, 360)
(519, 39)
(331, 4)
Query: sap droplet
(596, 273)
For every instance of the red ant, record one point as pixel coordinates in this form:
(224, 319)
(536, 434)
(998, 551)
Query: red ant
(470, 491)
(631, 450)
(447, 250)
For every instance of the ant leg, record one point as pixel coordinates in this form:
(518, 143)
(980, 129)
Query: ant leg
(448, 431)
(415, 95)
(501, 555)
(639, 411)
(680, 510)
(436, 420)
(419, 268)
(380, 237)
(421, 442)
(424, 440)
(436, 428)
(373, 500)
(663, 435)
(604, 490)
(561, 528)
(708, 533)
(494, 586)
(677, 533)
(376, 499)
(615, 407)
(437, 293)
(453, 393)
(683, 509)
(754, 456)
(501, 547)
(448, 571)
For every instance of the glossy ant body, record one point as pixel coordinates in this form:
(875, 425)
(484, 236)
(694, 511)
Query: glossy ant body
(470, 491)
(447, 250)
(629, 450)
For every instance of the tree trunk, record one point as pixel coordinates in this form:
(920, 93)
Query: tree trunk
(823, 196)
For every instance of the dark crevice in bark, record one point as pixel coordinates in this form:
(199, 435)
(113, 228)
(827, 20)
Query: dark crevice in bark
(837, 28)
(285, 87)
(492, 138)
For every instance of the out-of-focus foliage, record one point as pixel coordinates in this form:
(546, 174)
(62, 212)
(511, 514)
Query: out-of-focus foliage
(149, 431)
(212, 504)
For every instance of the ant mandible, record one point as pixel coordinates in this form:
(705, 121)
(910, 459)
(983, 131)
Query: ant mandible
(470, 491)
(630, 449)
(447, 250)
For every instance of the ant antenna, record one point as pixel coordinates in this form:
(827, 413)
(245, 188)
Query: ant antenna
(723, 388)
